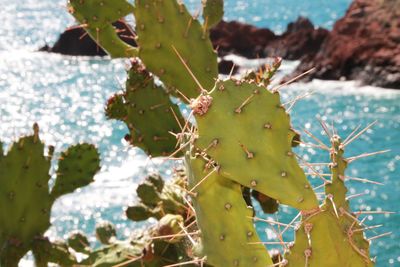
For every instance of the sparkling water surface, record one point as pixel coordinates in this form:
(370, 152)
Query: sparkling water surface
(66, 96)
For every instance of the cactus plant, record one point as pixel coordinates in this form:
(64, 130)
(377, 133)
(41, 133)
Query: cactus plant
(332, 234)
(97, 16)
(166, 26)
(242, 139)
(25, 200)
(256, 141)
(144, 102)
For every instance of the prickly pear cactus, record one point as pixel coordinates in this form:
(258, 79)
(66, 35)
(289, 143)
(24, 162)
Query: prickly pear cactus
(243, 138)
(244, 131)
(165, 28)
(228, 236)
(148, 112)
(97, 16)
(25, 200)
(332, 235)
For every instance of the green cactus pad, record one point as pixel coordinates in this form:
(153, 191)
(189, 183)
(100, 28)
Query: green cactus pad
(327, 246)
(97, 17)
(246, 132)
(332, 236)
(147, 111)
(76, 168)
(213, 11)
(228, 236)
(163, 25)
(25, 202)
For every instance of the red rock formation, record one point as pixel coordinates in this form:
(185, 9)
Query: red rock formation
(300, 39)
(364, 45)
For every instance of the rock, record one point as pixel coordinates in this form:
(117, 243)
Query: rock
(364, 45)
(241, 39)
(76, 42)
(225, 67)
(300, 39)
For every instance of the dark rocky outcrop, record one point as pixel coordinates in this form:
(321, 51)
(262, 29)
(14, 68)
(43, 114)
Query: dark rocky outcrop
(300, 39)
(227, 67)
(241, 39)
(76, 42)
(364, 45)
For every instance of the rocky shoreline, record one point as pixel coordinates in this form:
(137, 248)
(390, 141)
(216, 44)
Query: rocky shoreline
(364, 45)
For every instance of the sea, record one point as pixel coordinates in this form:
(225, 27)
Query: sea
(66, 97)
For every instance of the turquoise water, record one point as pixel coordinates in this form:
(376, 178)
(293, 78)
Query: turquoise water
(66, 97)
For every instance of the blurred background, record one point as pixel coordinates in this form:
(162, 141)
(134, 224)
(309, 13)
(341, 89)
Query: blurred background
(66, 96)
